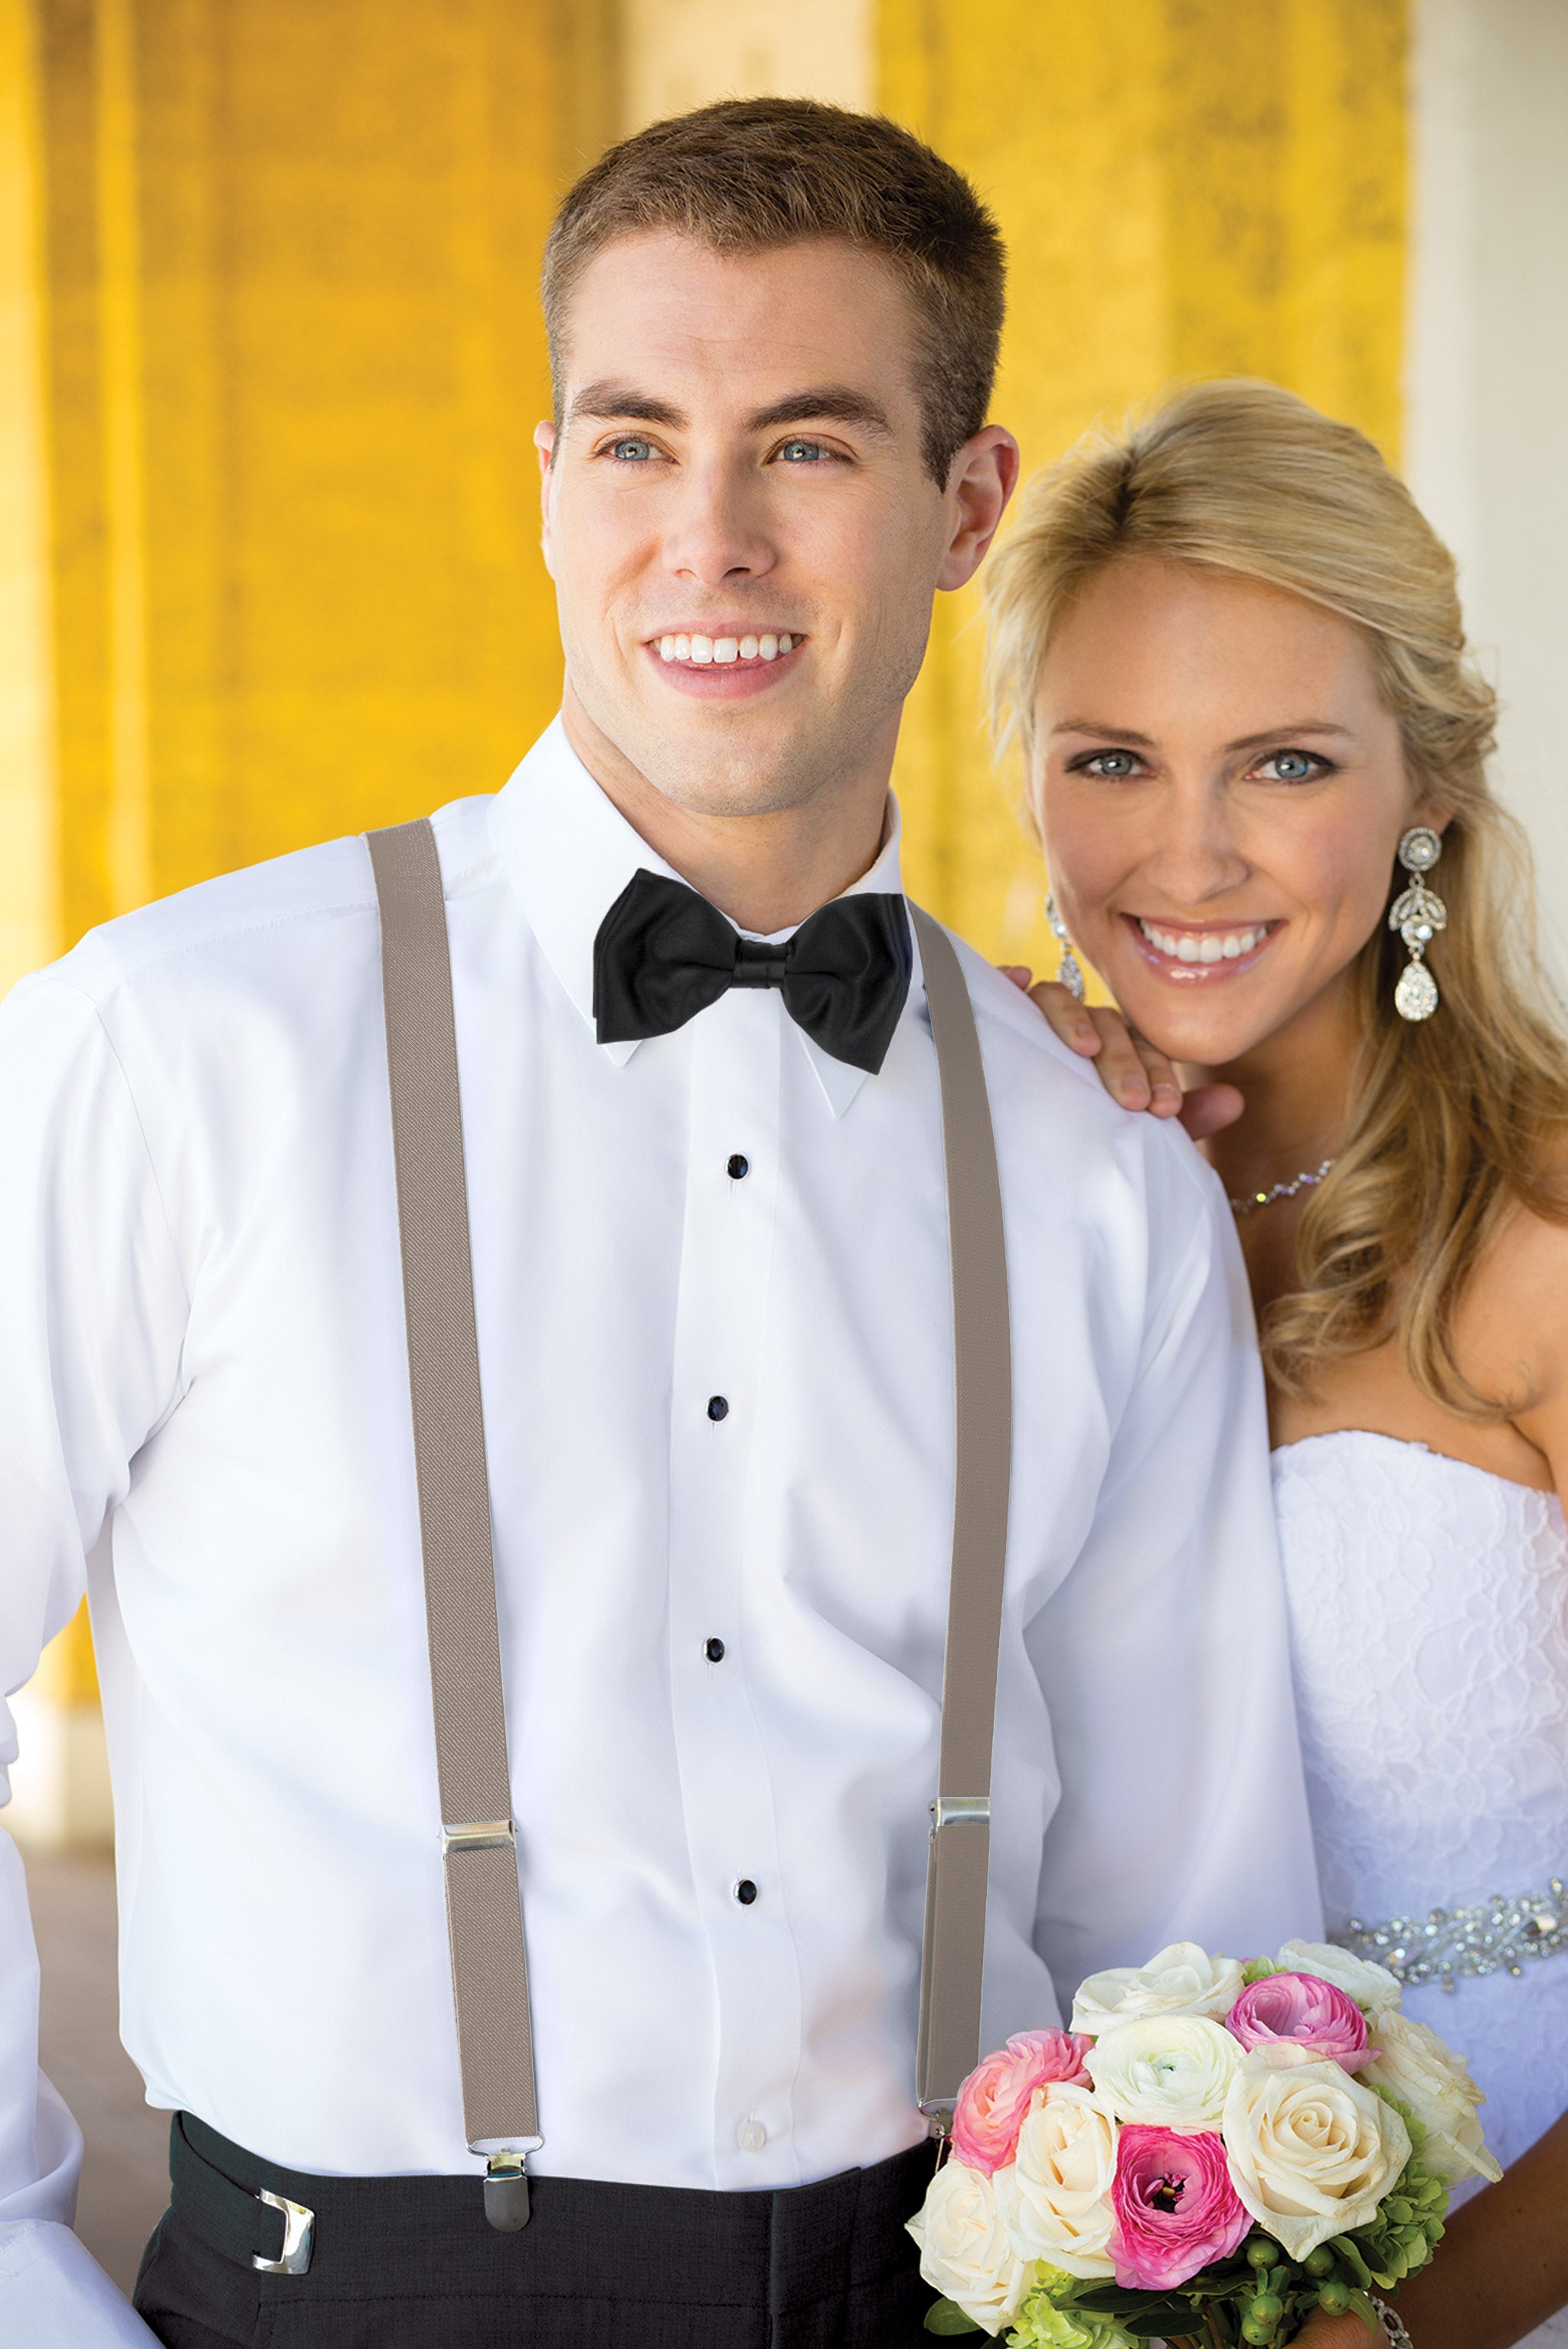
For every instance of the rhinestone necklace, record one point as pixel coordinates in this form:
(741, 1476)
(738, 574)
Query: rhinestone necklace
(1302, 1182)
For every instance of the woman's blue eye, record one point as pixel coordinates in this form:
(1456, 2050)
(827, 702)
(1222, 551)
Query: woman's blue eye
(632, 453)
(1291, 767)
(1114, 763)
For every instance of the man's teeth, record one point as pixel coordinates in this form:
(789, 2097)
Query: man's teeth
(1213, 945)
(719, 651)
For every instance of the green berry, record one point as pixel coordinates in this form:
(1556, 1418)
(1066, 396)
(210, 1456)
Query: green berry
(1334, 2298)
(1262, 2252)
(1320, 2262)
(1267, 2309)
(1258, 2334)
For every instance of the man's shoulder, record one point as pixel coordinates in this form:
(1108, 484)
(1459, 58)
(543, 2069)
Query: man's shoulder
(1031, 1059)
(270, 913)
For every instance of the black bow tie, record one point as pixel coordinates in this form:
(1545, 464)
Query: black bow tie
(663, 954)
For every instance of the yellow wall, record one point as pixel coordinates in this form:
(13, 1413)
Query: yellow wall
(1186, 186)
(292, 367)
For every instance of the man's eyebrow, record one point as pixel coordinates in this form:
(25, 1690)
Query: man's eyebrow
(617, 402)
(834, 403)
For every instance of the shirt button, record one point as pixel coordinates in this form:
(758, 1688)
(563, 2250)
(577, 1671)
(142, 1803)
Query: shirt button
(718, 1407)
(751, 2137)
(714, 1650)
(737, 1167)
(746, 1892)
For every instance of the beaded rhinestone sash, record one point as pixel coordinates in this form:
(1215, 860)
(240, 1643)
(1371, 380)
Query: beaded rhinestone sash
(1487, 1937)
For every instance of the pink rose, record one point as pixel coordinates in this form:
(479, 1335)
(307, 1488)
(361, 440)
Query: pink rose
(1176, 2209)
(1301, 2010)
(994, 2102)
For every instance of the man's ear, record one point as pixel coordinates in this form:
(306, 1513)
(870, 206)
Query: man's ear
(545, 441)
(982, 477)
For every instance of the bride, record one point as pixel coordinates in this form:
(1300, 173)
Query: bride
(1232, 647)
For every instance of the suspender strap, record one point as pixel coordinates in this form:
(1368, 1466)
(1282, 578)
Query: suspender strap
(954, 1958)
(484, 1909)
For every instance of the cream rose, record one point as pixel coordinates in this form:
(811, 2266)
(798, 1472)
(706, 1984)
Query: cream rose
(1166, 2071)
(1414, 2064)
(1375, 1990)
(1312, 2152)
(964, 2250)
(1182, 1979)
(1053, 2199)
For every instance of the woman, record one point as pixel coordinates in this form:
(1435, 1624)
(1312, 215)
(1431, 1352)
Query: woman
(1233, 649)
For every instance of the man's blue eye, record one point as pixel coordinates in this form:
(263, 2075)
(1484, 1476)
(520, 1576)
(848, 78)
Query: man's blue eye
(632, 453)
(802, 451)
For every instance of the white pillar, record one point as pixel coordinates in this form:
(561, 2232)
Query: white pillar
(1487, 374)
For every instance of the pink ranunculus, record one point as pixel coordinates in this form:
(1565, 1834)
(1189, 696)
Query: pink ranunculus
(1301, 2010)
(994, 2102)
(1176, 2209)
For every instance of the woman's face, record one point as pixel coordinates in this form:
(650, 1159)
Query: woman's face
(1221, 790)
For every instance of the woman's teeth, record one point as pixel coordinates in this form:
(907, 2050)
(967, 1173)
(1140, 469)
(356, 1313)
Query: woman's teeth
(700, 651)
(1212, 945)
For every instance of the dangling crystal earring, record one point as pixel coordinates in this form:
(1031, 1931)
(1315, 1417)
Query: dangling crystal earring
(1418, 914)
(1068, 974)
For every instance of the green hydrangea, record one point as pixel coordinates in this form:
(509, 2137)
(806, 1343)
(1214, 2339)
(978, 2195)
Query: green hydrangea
(1049, 2320)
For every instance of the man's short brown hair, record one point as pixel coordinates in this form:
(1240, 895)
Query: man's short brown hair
(751, 174)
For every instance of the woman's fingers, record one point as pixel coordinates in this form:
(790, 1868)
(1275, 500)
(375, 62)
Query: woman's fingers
(1209, 1109)
(1128, 1066)
(1071, 1019)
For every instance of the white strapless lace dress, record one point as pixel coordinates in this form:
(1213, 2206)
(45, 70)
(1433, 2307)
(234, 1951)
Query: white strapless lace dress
(1428, 1607)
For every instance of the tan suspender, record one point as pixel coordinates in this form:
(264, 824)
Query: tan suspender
(484, 1909)
(953, 1960)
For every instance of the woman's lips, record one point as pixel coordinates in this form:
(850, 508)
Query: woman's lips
(1209, 965)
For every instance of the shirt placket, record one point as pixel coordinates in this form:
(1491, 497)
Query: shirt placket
(715, 1443)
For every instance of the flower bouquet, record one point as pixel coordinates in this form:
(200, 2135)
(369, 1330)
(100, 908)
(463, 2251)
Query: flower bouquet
(1211, 2151)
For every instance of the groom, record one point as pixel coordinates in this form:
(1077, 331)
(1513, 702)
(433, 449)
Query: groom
(711, 1272)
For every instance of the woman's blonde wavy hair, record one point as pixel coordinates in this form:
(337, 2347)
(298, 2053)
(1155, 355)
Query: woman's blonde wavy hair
(1453, 1121)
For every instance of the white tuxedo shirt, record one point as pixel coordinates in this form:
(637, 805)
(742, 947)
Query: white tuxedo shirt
(204, 1421)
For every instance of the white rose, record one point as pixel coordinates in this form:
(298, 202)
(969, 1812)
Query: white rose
(1423, 2070)
(965, 2250)
(1170, 2071)
(1054, 2198)
(1312, 2152)
(1180, 1980)
(1375, 1990)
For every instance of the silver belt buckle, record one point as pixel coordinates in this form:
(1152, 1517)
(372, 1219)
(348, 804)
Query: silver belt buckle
(298, 2228)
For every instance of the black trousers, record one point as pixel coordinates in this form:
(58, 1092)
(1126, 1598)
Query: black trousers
(411, 2263)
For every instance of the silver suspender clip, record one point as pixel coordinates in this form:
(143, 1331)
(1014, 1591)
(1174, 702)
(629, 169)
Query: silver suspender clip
(506, 2190)
(299, 2227)
(485, 1835)
(952, 1810)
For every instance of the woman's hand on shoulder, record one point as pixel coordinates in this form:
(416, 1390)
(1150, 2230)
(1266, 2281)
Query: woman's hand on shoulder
(1132, 1070)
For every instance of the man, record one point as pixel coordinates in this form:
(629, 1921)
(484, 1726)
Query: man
(711, 1273)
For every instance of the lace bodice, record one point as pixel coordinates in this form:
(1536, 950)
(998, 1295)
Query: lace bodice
(1430, 1614)
(1428, 1606)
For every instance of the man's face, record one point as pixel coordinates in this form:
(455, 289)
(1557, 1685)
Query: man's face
(739, 472)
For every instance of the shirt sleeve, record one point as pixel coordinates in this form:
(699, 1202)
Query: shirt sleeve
(92, 1317)
(1164, 1659)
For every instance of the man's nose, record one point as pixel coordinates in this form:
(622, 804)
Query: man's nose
(716, 532)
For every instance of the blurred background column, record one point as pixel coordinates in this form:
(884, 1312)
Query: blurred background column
(1487, 372)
